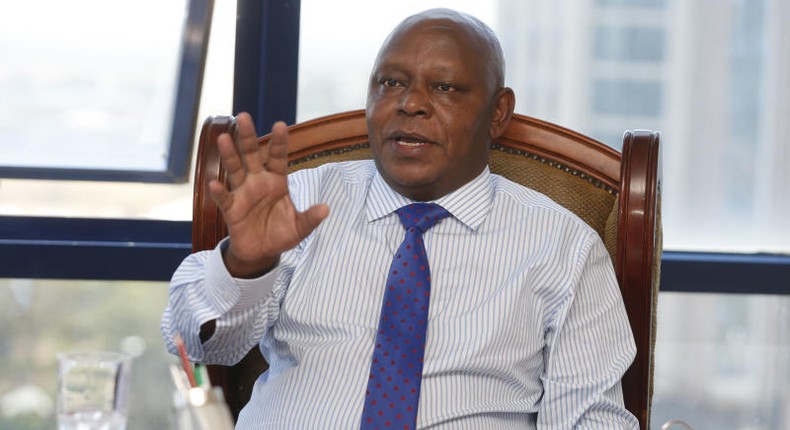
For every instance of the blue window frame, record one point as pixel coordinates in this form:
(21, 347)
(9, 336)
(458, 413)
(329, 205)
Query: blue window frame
(113, 249)
(265, 85)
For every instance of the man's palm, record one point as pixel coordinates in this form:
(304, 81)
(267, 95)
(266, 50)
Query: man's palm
(262, 220)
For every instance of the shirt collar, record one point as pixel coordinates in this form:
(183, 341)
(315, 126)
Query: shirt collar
(469, 204)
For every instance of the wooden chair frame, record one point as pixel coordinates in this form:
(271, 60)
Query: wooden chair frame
(633, 176)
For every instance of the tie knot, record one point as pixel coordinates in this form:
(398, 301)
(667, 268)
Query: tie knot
(421, 215)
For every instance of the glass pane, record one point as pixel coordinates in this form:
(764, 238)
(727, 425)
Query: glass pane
(112, 199)
(623, 97)
(723, 361)
(628, 43)
(713, 81)
(654, 3)
(40, 318)
(86, 87)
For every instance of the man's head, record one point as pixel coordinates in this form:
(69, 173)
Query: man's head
(436, 100)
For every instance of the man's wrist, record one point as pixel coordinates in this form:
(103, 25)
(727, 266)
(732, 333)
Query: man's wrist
(247, 270)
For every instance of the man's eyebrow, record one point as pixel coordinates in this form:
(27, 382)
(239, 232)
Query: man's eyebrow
(443, 70)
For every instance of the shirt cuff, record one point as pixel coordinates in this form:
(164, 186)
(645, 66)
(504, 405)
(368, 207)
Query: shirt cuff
(229, 294)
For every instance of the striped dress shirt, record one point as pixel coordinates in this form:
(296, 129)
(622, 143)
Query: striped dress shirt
(527, 328)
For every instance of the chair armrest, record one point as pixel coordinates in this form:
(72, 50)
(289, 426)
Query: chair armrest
(638, 252)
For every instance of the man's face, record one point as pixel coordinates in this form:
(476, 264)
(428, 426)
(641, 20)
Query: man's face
(429, 110)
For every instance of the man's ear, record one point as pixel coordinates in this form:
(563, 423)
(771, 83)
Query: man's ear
(504, 104)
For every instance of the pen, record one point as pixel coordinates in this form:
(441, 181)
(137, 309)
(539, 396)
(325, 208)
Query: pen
(182, 352)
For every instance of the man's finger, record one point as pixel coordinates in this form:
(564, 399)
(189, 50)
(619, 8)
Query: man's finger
(248, 143)
(220, 195)
(231, 160)
(308, 220)
(278, 149)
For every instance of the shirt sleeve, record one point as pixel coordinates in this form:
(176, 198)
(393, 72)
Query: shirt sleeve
(588, 349)
(202, 290)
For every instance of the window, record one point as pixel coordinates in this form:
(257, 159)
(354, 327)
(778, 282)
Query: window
(638, 3)
(85, 263)
(629, 43)
(41, 190)
(88, 98)
(730, 369)
(40, 318)
(712, 81)
(626, 97)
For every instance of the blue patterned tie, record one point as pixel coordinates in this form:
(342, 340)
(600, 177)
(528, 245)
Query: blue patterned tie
(396, 369)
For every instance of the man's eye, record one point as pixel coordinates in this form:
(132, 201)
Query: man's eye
(445, 87)
(389, 82)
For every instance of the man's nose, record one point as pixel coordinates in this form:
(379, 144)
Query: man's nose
(415, 101)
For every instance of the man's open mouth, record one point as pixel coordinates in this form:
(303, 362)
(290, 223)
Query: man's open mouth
(410, 140)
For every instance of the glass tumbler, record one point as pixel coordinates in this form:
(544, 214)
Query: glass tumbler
(93, 390)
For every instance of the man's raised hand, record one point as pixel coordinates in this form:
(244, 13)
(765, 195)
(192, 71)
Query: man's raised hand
(262, 220)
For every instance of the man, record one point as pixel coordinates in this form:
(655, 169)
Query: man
(526, 327)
